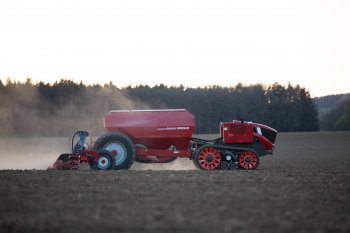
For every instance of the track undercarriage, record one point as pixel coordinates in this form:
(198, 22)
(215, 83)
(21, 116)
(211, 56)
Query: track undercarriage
(214, 154)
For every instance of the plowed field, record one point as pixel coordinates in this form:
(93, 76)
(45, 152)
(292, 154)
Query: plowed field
(303, 187)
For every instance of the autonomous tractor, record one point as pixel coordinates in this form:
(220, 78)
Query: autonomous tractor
(163, 135)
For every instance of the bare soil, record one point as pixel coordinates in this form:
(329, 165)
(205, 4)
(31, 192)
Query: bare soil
(304, 187)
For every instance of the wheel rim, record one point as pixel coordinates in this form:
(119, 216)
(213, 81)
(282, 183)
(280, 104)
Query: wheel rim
(103, 163)
(209, 158)
(224, 166)
(248, 160)
(118, 150)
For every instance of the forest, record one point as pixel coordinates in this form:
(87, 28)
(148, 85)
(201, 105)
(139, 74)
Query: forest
(337, 119)
(58, 109)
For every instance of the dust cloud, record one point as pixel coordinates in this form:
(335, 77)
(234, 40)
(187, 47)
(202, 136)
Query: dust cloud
(40, 153)
(28, 111)
(178, 164)
(34, 131)
(31, 153)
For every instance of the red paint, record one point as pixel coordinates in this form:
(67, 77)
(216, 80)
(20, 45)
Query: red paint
(157, 129)
(161, 135)
(236, 132)
(248, 160)
(209, 158)
(83, 156)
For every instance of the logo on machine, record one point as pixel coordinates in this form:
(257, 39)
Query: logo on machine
(175, 128)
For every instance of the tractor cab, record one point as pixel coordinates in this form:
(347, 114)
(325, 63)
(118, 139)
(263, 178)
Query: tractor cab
(258, 136)
(268, 132)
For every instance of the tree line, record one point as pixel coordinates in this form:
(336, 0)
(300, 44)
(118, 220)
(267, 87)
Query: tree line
(338, 119)
(331, 101)
(43, 109)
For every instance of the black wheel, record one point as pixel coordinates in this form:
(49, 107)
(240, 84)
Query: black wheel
(121, 147)
(224, 166)
(248, 160)
(105, 162)
(207, 158)
(232, 166)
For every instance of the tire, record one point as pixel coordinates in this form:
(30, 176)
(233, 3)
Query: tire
(207, 158)
(232, 166)
(106, 161)
(121, 147)
(224, 166)
(248, 160)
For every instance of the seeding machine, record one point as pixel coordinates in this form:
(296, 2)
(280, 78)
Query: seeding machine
(161, 136)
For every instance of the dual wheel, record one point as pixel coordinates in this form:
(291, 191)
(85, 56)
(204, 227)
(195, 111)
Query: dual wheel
(209, 158)
(121, 148)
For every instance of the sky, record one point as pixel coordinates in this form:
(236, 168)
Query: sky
(190, 42)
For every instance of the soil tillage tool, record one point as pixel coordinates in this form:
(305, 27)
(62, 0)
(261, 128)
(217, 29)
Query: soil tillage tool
(97, 160)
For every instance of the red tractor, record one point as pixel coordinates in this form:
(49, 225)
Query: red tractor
(161, 136)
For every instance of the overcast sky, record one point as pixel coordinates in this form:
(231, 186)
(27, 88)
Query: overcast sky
(194, 43)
